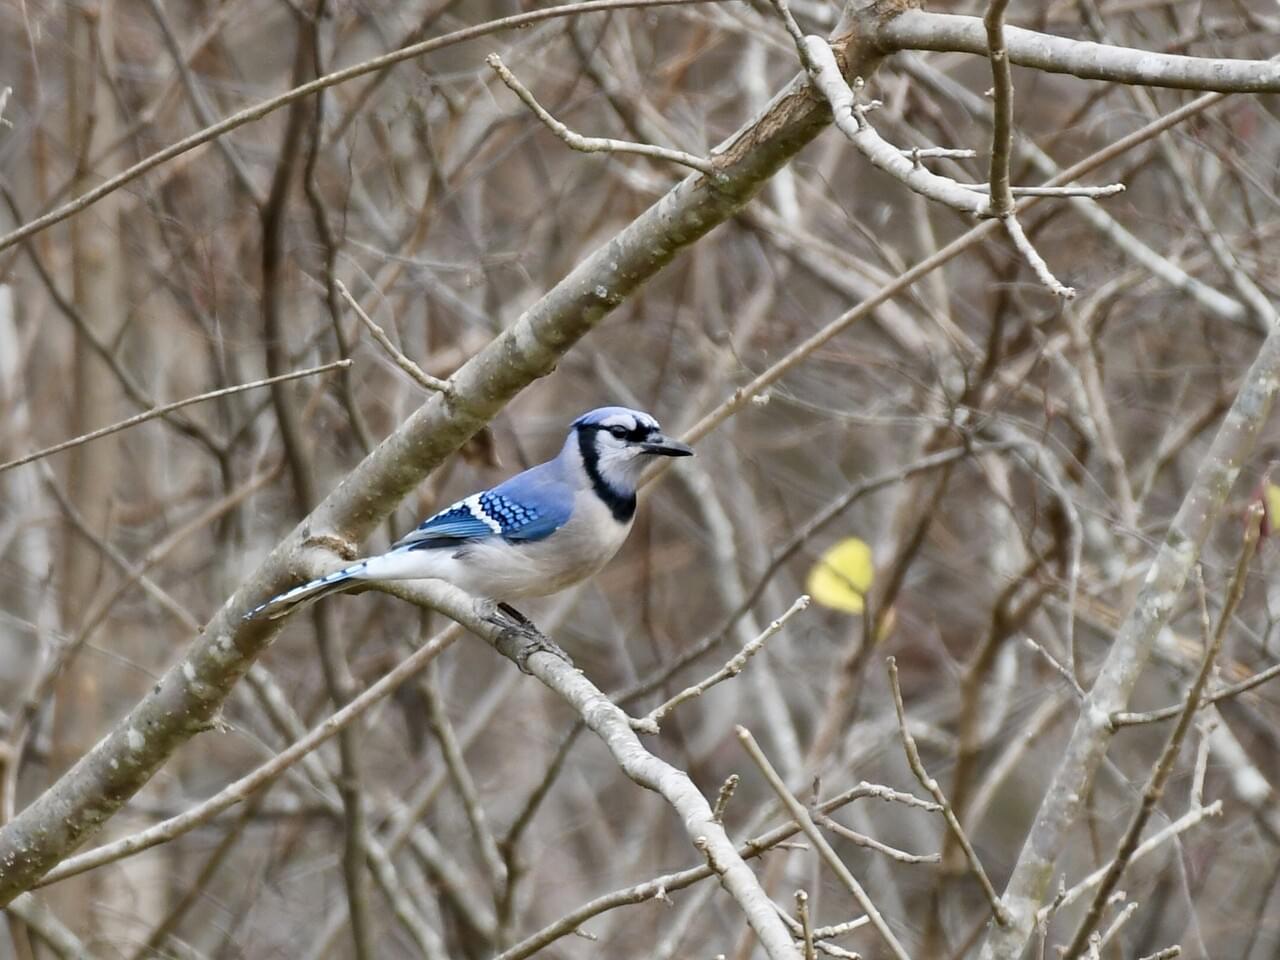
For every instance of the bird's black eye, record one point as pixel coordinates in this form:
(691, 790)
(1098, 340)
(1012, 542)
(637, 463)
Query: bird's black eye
(619, 432)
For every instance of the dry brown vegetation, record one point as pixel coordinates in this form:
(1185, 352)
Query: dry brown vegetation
(1018, 461)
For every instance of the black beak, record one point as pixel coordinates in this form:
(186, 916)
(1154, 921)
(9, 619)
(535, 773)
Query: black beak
(661, 445)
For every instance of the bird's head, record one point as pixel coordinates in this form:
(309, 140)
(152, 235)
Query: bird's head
(617, 443)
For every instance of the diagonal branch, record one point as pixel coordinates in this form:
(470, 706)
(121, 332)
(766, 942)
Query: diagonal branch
(920, 30)
(649, 723)
(167, 408)
(829, 856)
(420, 376)
(948, 814)
(577, 141)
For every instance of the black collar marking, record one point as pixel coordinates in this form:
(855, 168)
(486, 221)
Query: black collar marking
(621, 505)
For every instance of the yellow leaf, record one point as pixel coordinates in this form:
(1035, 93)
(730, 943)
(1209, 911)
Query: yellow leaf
(842, 577)
(1272, 495)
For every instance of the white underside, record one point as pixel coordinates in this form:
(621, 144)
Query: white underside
(511, 571)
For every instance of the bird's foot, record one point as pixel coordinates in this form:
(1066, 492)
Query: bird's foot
(518, 636)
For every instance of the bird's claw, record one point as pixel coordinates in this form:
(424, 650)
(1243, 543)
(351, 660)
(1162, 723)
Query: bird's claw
(518, 637)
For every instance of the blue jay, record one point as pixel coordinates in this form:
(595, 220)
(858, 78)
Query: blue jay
(537, 533)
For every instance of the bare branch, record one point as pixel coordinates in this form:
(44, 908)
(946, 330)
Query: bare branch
(1170, 273)
(1002, 97)
(919, 30)
(613, 727)
(1092, 193)
(1132, 647)
(1033, 258)
(724, 796)
(801, 816)
(420, 376)
(167, 408)
(191, 692)
(1184, 823)
(916, 154)
(930, 784)
(849, 117)
(1125, 719)
(806, 926)
(1058, 667)
(577, 141)
(871, 843)
(44, 923)
(649, 723)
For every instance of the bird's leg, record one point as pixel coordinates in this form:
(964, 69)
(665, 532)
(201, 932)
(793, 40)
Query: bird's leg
(518, 637)
(516, 615)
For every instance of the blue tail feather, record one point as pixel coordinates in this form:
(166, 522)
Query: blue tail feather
(307, 593)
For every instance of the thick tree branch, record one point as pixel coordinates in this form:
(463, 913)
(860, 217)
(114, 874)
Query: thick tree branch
(919, 30)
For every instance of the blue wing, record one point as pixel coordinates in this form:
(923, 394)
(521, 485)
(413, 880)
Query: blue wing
(529, 506)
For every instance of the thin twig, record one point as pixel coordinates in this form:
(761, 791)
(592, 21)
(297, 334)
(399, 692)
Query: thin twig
(862, 840)
(169, 408)
(1201, 768)
(1121, 918)
(724, 796)
(1092, 193)
(464, 784)
(649, 723)
(1126, 719)
(420, 376)
(937, 153)
(577, 141)
(1058, 666)
(1036, 262)
(840, 929)
(806, 531)
(1185, 822)
(806, 925)
(930, 784)
(200, 104)
(1002, 98)
(849, 118)
(920, 30)
(801, 816)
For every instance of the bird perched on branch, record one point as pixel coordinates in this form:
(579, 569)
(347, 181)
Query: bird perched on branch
(539, 532)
